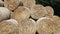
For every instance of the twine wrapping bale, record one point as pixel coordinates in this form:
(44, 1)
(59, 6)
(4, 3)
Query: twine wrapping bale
(9, 27)
(49, 10)
(1, 3)
(21, 13)
(38, 11)
(45, 26)
(29, 3)
(11, 4)
(4, 13)
(27, 27)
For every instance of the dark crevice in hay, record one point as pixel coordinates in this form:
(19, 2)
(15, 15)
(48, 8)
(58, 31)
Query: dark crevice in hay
(12, 10)
(33, 18)
(36, 32)
(21, 4)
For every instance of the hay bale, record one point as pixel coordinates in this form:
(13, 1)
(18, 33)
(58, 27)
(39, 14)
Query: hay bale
(28, 3)
(57, 29)
(9, 27)
(46, 26)
(4, 13)
(57, 20)
(11, 4)
(38, 11)
(27, 27)
(49, 10)
(21, 13)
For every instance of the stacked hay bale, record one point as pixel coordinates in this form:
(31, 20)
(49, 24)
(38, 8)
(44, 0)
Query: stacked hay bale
(26, 26)
(38, 11)
(18, 17)
(29, 3)
(45, 25)
(11, 4)
(9, 27)
(49, 10)
(4, 13)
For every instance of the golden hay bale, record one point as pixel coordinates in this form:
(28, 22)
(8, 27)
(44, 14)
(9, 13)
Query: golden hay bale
(57, 20)
(11, 4)
(49, 10)
(38, 11)
(9, 27)
(4, 13)
(21, 13)
(45, 26)
(28, 3)
(27, 27)
(57, 30)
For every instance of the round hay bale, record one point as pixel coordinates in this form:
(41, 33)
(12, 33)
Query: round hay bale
(57, 20)
(21, 13)
(4, 13)
(27, 27)
(49, 10)
(45, 26)
(29, 3)
(9, 27)
(38, 11)
(11, 4)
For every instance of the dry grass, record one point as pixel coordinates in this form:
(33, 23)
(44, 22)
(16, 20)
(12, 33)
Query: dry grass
(9, 27)
(28, 3)
(27, 27)
(21, 13)
(38, 11)
(49, 10)
(4, 13)
(11, 4)
(46, 26)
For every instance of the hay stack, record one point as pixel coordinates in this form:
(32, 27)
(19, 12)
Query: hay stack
(11, 4)
(9, 27)
(38, 11)
(4, 13)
